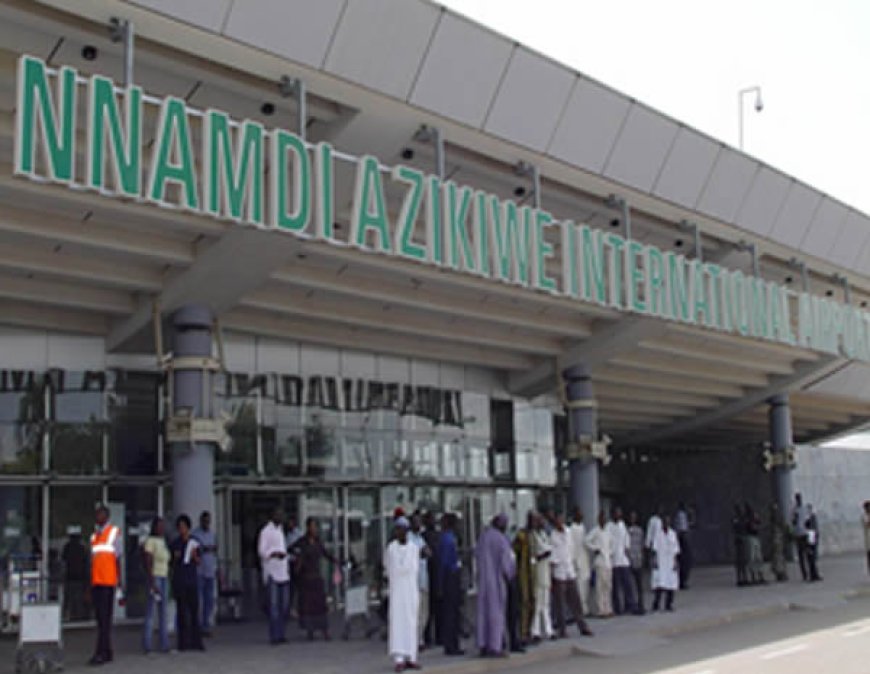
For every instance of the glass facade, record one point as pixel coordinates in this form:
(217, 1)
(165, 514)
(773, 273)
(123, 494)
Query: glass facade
(344, 449)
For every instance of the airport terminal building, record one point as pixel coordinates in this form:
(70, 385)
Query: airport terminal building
(349, 256)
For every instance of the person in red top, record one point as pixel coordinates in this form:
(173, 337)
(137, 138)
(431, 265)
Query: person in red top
(106, 550)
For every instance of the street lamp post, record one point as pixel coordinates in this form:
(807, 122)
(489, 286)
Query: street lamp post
(759, 106)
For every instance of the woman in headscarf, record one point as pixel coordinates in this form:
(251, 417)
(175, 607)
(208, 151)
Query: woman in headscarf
(309, 552)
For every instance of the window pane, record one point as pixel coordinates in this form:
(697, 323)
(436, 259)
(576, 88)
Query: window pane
(20, 523)
(133, 404)
(70, 526)
(140, 507)
(22, 415)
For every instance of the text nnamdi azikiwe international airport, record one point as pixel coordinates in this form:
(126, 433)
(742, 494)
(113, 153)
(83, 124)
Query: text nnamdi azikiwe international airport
(464, 230)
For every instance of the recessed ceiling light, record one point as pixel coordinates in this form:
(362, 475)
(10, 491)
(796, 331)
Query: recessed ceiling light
(90, 52)
(267, 108)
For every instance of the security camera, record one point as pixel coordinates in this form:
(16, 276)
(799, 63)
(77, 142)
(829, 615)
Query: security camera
(759, 104)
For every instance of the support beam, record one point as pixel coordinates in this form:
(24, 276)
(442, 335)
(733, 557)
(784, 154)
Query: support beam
(780, 442)
(64, 294)
(336, 334)
(382, 317)
(620, 337)
(252, 255)
(804, 374)
(428, 297)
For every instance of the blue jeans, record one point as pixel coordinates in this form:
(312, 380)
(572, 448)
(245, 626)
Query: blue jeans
(279, 603)
(160, 607)
(206, 600)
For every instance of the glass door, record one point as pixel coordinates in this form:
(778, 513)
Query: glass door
(251, 509)
(364, 538)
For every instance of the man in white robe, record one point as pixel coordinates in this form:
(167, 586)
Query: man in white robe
(541, 550)
(599, 542)
(666, 566)
(581, 559)
(402, 566)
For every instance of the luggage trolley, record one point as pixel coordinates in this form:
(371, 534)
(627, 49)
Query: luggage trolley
(40, 629)
(356, 602)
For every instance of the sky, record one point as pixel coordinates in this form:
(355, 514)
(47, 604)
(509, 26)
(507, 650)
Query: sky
(689, 58)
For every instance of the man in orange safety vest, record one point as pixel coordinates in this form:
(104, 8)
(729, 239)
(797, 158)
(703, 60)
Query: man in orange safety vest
(106, 550)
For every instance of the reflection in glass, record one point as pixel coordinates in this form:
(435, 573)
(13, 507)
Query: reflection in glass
(237, 396)
(133, 437)
(78, 421)
(22, 421)
(140, 507)
(20, 523)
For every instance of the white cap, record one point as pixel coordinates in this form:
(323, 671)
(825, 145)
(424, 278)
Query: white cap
(73, 530)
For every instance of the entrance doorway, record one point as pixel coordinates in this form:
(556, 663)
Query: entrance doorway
(249, 510)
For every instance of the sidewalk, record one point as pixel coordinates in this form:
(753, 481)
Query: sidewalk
(712, 600)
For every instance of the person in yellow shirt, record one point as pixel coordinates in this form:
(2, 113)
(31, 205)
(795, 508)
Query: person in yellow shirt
(156, 554)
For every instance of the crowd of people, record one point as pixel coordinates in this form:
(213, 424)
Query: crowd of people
(529, 587)
(801, 528)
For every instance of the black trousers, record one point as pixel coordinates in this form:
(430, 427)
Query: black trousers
(812, 557)
(669, 599)
(432, 632)
(103, 599)
(803, 548)
(740, 559)
(513, 614)
(74, 607)
(451, 606)
(566, 590)
(685, 559)
(623, 590)
(637, 575)
(187, 610)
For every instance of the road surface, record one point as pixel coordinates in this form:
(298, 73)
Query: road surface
(834, 640)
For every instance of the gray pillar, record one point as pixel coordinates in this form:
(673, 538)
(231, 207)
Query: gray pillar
(779, 417)
(192, 463)
(582, 421)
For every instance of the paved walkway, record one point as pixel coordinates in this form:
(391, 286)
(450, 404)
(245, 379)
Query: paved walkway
(712, 600)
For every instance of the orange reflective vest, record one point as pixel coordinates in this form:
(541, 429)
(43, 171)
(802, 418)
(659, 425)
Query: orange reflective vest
(104, 565)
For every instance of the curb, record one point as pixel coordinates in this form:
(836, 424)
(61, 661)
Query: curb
(474, 665)
(726, 619)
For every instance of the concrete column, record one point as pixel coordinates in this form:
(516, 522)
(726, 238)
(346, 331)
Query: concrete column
(779, 418)
(582, 421)
(193, 463)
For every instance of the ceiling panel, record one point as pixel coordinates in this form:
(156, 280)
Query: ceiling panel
(530, 100)
(795, 215)
(641, 148)
(208, 14)
(589, 125)
(818, 237)
(461, 71)
(728, 184)
(765, 198)
(853, 381)
(686, 168)
(862, 261)
(380, 43)
(850, 243)
(299, 30)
